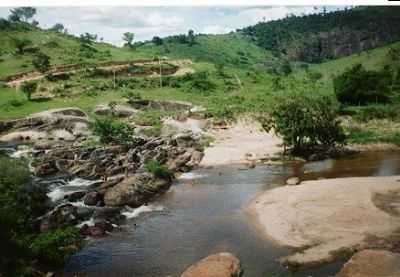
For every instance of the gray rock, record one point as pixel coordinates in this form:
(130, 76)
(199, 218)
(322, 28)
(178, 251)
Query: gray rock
(136, 190)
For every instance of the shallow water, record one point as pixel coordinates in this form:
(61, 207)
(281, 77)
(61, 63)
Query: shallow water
(203, 214)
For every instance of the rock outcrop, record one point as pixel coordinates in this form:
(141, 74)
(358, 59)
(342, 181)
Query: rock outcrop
(136, 190)
(51, 127)
(217, 265)
(372, 263)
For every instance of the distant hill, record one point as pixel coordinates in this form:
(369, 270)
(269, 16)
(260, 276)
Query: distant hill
(317, 37)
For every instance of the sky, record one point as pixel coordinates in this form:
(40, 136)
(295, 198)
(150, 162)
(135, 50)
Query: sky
(110, 23)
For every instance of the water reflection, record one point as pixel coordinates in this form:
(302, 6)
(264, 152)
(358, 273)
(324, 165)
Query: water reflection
(203, 214)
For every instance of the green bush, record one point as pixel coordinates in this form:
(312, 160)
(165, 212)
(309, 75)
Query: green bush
(41, 62)
(28, 88)
(199, 82)
(306, 120)
(132, 96)
(158, 170)
(111, 131)
(357, 86)
(54, 247)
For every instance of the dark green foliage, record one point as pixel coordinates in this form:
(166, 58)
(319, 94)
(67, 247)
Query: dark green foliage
(58, 27)
(306, 120)
(314, 76)
(21, 45)
(357, 86)
(199, 82)
(41, 62)
(132, 96)
(286, 68)
(275, 35)
(56, 246)
(190, 37)
(158, 170)
(87, 38)
(111, 131)
(157, 40)
(28, 88)
(129, 37)
(22, 14)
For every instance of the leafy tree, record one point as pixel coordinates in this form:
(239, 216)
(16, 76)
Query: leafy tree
(191, 37)
(306, 120)
(111, 131)
(87, 38)
(157, 41)
(22, 14)
(357, 86)
(21, 44)
(28, 88)
(128, 37)
(41, 62)
(58, 27)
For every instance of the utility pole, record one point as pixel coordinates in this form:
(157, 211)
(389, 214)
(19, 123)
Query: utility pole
(114, 77)
(159, 62)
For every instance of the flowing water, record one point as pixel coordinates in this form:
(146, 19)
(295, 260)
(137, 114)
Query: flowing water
(203, 213)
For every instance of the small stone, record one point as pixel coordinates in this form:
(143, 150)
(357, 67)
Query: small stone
(293, 181)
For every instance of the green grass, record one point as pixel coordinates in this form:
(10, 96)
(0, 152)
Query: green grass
(365, 136)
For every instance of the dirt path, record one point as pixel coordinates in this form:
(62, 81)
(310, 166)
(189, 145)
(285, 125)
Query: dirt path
(242, 142)
(325, 217)
(184, 67)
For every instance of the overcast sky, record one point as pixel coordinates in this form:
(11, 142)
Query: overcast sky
(146, 22)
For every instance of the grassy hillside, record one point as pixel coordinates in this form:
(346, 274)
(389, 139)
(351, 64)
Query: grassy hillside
(62, 49)
(229, 49)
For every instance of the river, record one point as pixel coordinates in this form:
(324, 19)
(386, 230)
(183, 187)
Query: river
(204, 213)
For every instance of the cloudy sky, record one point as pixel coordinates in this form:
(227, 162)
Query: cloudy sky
(146, 22)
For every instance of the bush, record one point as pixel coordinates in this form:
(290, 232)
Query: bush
(54, 247)
(199, 82)
(28, 88)
(306, 121)
(111, 131)
(132, 96)
(158, 170)
(41, 62)
(357, 86)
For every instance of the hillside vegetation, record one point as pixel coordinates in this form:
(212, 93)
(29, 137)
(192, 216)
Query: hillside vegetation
(317, 37)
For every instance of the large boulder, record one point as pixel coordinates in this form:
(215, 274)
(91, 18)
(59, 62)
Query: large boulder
(136, 190)
(372, 263)
(217, 265)
(61, 216)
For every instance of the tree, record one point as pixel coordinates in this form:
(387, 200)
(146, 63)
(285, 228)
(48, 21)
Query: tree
(190, 37)
(22, 14)
(28, 88)
(357, 86)
(58, 27)
(21, 44)
(128, 37)
(307, 121)
(157, 40)
(41, 62)
(87, 38)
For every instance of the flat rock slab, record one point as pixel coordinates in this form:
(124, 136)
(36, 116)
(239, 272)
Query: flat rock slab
(372, 263)
(328, 216)
(217, 265)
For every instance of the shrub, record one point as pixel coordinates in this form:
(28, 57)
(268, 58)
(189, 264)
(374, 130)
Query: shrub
(41, 62)
(199, 82)
(132, 96)
(357, 86)
(306, 121)
(111, 131)
(158, 170)
(54, 247)
(28, 88)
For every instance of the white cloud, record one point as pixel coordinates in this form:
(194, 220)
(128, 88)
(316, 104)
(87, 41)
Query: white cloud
(146, 22)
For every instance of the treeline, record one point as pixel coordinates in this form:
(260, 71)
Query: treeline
(275, 35)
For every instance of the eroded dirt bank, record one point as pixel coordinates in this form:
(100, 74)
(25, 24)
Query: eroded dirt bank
(326, 217)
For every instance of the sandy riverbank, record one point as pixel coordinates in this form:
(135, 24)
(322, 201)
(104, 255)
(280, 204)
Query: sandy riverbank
(243, 142)
(325, 217)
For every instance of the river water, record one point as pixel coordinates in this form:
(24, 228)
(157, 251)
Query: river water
(203, 213)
